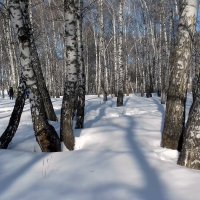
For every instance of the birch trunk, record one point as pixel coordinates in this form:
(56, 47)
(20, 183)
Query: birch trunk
(87, 70)
(2, 68)
(81, 72)
(6, 28)
(55, 64)
(176, 97)
(190, 153)
(46, 135)
(96, 63)
(115, 55)
(101, 51)
(38, 71)
(164, 64)
(47, 49)
(121, 66)
(67, 110)
(41, 83)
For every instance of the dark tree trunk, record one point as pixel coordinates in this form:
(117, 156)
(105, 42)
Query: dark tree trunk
(174, 121)
(159, 93)
(13, 124)
(80, 113)
(120, 99)
(190, 153)
(38, 71)
(67, 112)
(41, 83)
(80, 108)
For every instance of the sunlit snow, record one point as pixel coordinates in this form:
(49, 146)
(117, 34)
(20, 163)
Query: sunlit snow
(117, 156)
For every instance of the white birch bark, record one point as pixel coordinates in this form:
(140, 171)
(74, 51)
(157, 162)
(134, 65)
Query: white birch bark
(120, 58)
(55, 64)
(45, 133)
(36, 65)
(67, 109)
(115, 55)
(164, 61)
(13, 78)
(96, 62)
(176, 97)
(190, 152)
(102, 66)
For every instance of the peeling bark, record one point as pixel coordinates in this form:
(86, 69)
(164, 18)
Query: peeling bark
(176, 97)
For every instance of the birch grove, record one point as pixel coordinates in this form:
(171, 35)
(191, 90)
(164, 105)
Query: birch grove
(72, 48)
(145, 49)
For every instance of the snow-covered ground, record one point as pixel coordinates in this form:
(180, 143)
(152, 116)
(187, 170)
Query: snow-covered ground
(117, 157)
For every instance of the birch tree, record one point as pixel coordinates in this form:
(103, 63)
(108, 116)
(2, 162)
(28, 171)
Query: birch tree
(9, 49)
(115, 55)
(102, 66)
(81, 69)
(45, 133)
(37, 68)
(176, 97)
(68, 103)
(190, 152)
(120, 58)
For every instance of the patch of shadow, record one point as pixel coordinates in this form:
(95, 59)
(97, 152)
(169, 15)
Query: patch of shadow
(154, 188)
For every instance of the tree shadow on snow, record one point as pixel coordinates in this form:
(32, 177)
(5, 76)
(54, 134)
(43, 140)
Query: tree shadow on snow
(99, 109)
(14, 176)
(154, 188)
